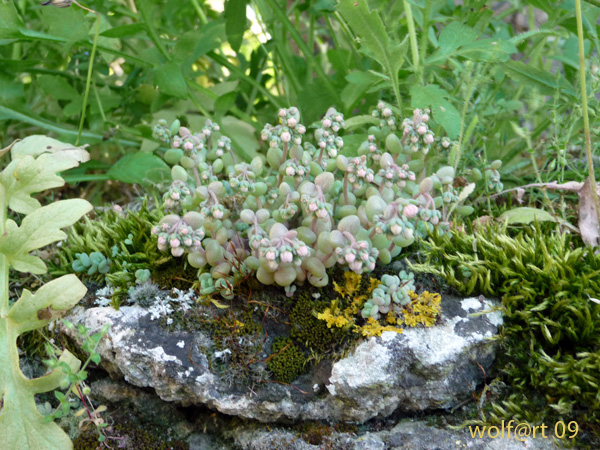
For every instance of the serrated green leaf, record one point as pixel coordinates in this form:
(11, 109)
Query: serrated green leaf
(57, 87)
(443, 112)
(38, 229)
(170, 81)
(34, 311)
(21, 425)
(67, 23)
(369, 26)
(141, 168)
(545, 82)
(526, 215)
(454, 36)
(25, 175)
(124, 30)
(235, 22)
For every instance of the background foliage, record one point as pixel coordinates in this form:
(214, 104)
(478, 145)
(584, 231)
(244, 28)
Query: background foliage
(501, 80)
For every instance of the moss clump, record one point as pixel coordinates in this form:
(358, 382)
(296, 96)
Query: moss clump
(287, 360)
(133, 438)
(176, 273)
(546, 282)
(309, 330)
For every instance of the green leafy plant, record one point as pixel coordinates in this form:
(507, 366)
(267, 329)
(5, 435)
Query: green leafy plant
(35, 163)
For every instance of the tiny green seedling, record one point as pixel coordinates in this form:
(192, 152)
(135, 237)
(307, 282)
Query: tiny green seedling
(36, 162)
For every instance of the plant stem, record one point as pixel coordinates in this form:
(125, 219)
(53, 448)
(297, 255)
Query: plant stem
(586, 119)
(3, 265)
(152, 31)
(308, 54)
(240, 73)
(412, 35)
(200, 12)
(89, 74)
(472, 80)
(424, 33)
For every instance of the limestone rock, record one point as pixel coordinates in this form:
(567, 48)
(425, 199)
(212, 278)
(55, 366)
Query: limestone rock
(421, 369)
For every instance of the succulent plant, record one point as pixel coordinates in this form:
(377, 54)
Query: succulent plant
(291, 213)
(392, 291)
(93, 263)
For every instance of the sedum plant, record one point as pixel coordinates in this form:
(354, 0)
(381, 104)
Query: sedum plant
(306, 204)
(35, 163)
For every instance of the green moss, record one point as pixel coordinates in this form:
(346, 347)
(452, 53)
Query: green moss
(287, 360)
(124, 238)
(176, 273)
(310, 331)
(133, 437)
(551, 354)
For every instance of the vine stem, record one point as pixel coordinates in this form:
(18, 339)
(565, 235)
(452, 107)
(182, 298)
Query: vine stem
(586, 119)
(90, 69)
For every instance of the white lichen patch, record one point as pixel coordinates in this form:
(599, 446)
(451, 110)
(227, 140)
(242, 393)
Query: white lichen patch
(438, 344)
(159, 355)
(471, 303)
(350, 373)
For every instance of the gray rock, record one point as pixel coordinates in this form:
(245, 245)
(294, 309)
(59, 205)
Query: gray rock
(418, 370)
(407, 435)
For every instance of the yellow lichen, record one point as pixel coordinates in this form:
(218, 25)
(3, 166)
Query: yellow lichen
(423, 309)
(333, 320)
(351, 286)
(374, 328)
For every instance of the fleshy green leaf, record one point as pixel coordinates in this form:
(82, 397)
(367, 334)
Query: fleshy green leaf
(38, 229)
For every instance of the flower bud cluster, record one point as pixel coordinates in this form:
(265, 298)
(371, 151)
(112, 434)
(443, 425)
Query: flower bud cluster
(289, 250)
(316, 207)
(162, 132)
(392, 174)
(289, 130)
(179, 237)
(243, 179)
(328, 140)
(358, 255)
(215, 211)
(188, 142)
(358, 173)
(386, 116)
(178, 192)
(288, 210)
(416, 133)
(374, 150)
(493, 180)
(296, 169)
(223, 145)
